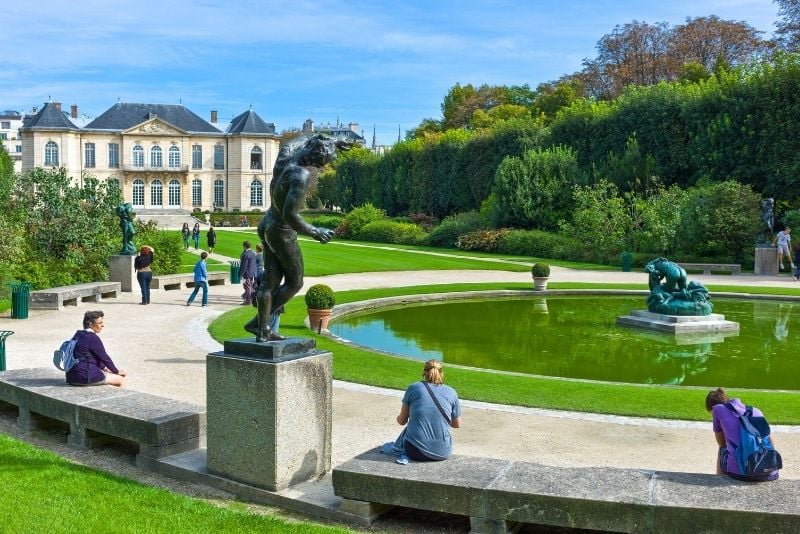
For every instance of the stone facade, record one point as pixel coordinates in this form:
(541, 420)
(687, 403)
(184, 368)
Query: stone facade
(162, 156)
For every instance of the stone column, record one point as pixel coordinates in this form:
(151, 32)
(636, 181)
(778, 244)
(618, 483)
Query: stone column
(120, 269)
(766, 260)
(269, 412)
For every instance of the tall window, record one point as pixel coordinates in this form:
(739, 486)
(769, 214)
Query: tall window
(51, 153)
(156, 193)
(255, 158)
(138, 156)
(174, 193)
(88, 149)
(174, 157)
(219, 157)
(197, 156)
(219, 193)
(256, 193)
(138, 193)
(197, 192)
(113, 155)
(156, 157)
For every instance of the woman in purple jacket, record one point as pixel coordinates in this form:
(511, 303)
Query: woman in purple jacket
(94, 367)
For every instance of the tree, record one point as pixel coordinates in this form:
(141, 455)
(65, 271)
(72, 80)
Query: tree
(711, 41)
(503, 112)
(600, 219)
(788, 27)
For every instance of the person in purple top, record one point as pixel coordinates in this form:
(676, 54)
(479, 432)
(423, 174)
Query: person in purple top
(726, 430)
(95, 367)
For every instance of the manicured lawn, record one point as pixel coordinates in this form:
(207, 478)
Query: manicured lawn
(361, 366)
(43, 492)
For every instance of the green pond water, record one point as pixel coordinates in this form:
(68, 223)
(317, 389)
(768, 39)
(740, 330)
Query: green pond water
(576, 337)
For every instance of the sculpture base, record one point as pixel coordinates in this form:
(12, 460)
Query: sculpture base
(678, 324)
(120, 269)
(766, 260)
(269, 412)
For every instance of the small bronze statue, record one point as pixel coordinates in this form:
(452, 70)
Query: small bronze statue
(278, 229)
(125, 213)
(675, 296)
(768, 216)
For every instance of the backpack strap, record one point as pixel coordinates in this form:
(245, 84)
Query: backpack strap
(744, 419)
(436, 402)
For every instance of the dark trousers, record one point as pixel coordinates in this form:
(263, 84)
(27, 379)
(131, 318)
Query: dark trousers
(144, 278)
(415, 454)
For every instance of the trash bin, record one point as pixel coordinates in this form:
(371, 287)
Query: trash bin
(20, 291)
(235, 278)
(627, 261)
(3, 335)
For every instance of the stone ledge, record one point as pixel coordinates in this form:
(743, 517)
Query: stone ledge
(55, 298)
(167, 282)
(502, 493)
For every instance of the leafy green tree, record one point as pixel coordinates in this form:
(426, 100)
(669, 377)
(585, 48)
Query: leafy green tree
(534, 190)
(788, 25)
(356, 177)
(600, 220)
(656, 220)
(503, 112)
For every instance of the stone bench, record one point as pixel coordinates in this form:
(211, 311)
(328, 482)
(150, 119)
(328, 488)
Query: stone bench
(499, 494)
(707, 268)
(166, 282)
(161, 426)
(55, 298)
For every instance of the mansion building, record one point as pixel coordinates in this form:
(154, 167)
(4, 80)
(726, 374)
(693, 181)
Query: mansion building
(162, 156)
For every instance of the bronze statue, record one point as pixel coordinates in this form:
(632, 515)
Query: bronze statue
(768, 216)
(675, 296)
(278, 229)
(125, 213)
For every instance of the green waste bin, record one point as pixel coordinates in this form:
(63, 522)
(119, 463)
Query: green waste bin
(3, 335)
(20, 291)
(235, 277)
(627, 262)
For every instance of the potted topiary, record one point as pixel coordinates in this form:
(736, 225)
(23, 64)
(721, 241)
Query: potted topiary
(319, 301)
(541, 273)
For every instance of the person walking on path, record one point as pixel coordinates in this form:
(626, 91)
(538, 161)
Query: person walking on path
(143, 273)
(212, 239)
(95, 367)
(186, 234)
(247, 270)
(196, 235)
(797, 262)
(200, 280)
(784, 242)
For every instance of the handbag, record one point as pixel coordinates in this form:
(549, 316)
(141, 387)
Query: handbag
(436, 402)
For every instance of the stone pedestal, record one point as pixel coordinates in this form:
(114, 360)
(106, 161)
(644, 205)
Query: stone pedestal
(766, 260)
(678, 324)
(269, 412)
(120, 269)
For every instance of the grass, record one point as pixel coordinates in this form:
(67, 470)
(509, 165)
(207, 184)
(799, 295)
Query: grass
(354, 364)
(43, 492)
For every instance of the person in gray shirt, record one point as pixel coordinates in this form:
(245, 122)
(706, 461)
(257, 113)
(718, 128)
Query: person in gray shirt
(429, 410)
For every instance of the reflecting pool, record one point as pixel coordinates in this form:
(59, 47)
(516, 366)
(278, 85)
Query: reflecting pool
(576, 337)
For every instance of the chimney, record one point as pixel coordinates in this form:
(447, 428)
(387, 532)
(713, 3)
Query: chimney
(73, 111)
(57, 105)
(213, 116)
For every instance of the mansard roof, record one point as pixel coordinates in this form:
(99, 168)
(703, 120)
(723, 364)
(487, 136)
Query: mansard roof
(49, 118)
(250, 123)
(123, 116)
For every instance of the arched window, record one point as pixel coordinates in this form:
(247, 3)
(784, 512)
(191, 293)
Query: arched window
(256, 193)
(219, 193)
(51, 153)
(156, 158)
(174, 157)
(138, 193)
(138, 156)
(255, 158)
(197, 192)
(156, 193)
(174, 193)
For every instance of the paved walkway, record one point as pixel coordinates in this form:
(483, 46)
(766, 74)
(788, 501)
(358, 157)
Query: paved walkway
(163, 347)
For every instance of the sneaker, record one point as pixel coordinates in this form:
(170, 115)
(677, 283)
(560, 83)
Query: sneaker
(188, 303)
(402, 459)
(205, 306)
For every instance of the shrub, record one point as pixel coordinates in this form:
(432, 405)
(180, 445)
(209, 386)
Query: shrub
(540, 270)
(448, 232)
(360, 217)
(390, 232)
(539, 244)
(320, 297)
(327, 221)
(423, 220)
(484, 240)
(167, 247)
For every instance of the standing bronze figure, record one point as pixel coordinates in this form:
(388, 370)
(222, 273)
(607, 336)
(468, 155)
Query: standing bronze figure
(278, 229)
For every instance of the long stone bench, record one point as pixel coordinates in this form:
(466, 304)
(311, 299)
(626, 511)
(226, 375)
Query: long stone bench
(166, 282)
(55, 298)
(499, 494)
(707, 268)
(161, 426)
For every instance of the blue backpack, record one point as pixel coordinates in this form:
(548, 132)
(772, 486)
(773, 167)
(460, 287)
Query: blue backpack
(755, 456)
(64, 358)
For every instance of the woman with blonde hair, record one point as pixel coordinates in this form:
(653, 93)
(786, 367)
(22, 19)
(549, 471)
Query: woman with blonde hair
(429, 410)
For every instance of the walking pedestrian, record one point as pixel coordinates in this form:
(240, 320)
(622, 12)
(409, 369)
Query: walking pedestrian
(200, 280)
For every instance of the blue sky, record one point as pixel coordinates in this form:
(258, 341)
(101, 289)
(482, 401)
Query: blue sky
(371, 62)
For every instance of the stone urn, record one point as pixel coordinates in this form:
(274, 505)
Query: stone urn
(541, 274)
(319, 301)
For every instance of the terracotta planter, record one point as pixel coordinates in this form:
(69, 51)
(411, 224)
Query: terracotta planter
(318, 319)
(540, 282)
